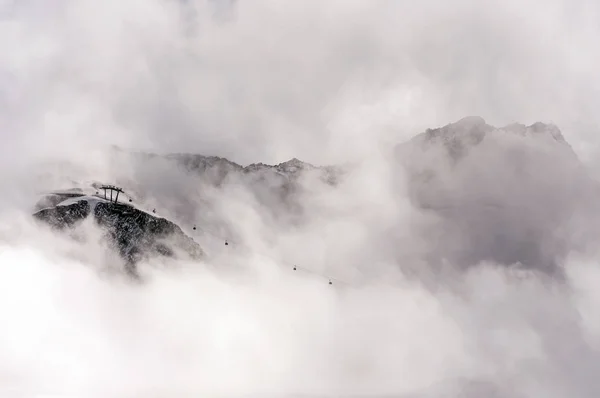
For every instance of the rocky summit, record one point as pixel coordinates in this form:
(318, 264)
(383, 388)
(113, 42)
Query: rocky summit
(458, 137)
(135, 234)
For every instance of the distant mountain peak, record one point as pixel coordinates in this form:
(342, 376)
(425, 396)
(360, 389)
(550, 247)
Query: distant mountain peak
(470, 131)
(294, 165)
(293, 161)
(537, 128)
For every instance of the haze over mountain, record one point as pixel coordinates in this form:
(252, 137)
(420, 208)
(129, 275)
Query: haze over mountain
(464, 261)
(510, 195)
(526, 223)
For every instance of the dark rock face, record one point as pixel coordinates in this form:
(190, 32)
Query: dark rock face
(138, 235)
(134, 234)
(61, 217)
(53, 199)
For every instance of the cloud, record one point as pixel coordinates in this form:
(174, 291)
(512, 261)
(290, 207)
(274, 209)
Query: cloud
(169, 75)
(330, 83)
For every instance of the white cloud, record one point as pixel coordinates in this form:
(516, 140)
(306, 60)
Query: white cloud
(326, 82)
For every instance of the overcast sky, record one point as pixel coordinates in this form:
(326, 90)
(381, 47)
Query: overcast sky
(327, 82)
(266, 81)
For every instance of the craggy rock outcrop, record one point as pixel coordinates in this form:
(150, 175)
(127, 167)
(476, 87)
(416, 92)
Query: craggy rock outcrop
(134, 233)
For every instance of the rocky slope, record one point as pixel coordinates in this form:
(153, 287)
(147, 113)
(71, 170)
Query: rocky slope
(511, 195)
(132, 232)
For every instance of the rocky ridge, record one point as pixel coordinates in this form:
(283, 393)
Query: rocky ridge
(492, 195)
(135, 234)
(458, 137)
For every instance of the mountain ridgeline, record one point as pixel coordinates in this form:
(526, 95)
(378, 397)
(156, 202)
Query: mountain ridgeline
(216, 170)
(459, 137)
(511, 195)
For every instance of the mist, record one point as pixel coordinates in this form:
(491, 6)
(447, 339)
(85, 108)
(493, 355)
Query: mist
(434, 292)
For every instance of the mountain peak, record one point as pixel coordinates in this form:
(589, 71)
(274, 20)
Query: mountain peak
(536, 129)
(133, 232)
(294, 161)
(294, 164)
(470, 131)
